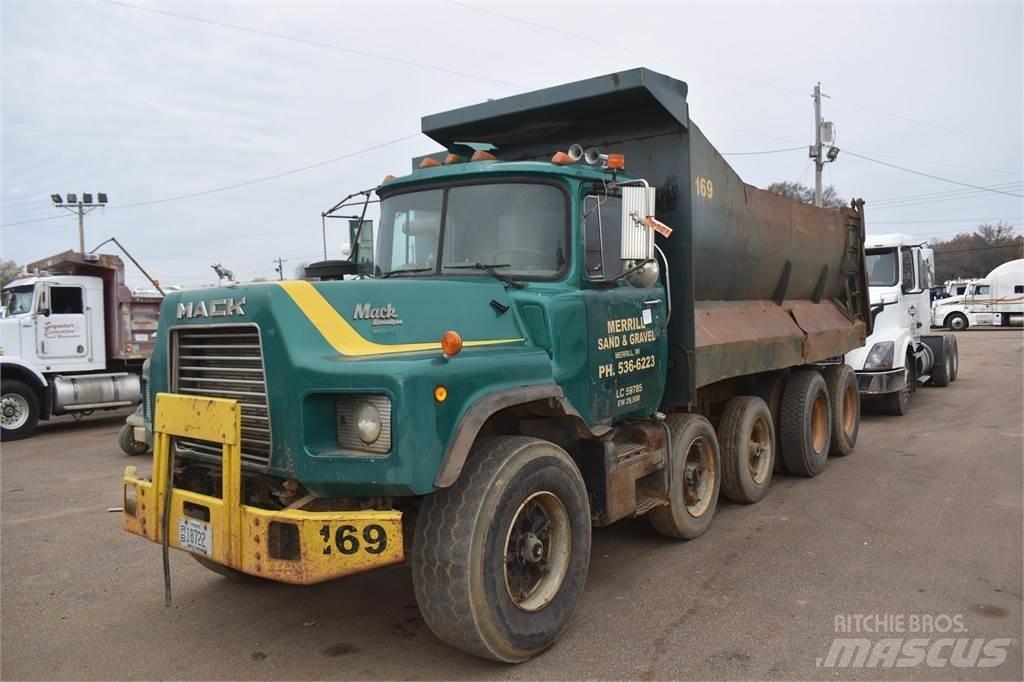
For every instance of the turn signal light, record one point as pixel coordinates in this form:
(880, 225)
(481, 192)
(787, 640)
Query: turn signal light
(481, 155)
(452, 158)
(440, 394)
(451, 343)
(429, 162)
(616, 161)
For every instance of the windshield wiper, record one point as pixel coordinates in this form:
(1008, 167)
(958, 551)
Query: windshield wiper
(385, 275)
(490, 270)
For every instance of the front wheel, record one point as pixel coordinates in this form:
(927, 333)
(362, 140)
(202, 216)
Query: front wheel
(957, 322)
(19, 410)
(500, 558)
(130, 446)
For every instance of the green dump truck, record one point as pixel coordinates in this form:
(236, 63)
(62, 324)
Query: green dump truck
(576, 313)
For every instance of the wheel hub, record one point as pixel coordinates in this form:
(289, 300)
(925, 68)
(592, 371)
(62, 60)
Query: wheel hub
(14, 412)
(537, 551)
(531, 549)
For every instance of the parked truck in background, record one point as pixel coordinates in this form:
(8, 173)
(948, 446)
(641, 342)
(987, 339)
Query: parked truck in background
(996, 300)
(901, 353)
(523, 363)
(73, 339)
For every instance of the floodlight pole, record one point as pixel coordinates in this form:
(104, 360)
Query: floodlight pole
(81, 228)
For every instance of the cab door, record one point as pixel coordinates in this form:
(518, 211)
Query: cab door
(61, 330)
(626, 326)
(979, 303)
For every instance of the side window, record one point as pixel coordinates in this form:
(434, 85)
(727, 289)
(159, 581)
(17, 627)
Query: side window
(66, 300)
(907, 263)
(982, 290)
(922, 271)
(602, 236)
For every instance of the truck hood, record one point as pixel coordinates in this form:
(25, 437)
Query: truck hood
(358, 318)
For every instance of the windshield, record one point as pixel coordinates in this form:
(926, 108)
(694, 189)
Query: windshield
(17, 300)
(881, 267)
(516, 229)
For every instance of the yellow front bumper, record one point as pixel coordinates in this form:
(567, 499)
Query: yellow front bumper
(291, 545)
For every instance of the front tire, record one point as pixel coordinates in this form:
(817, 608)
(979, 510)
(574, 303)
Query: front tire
(19, 410)
(501, 557)
(806, 426)
(695, 481)
(954, 353)
(957, 322)
(130, 446)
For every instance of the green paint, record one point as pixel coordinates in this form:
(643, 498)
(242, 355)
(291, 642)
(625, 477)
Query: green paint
(564, 325)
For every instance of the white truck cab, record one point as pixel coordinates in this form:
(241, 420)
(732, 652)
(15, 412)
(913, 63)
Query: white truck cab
(901, 353)
(996, 300)
(72, 340)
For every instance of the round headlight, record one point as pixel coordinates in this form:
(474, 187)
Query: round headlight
(368, 423)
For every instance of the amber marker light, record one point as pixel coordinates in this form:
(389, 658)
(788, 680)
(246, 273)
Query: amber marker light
(616, 161)
(429, 163)
(451, 343)
(440, 394)
(562, 159)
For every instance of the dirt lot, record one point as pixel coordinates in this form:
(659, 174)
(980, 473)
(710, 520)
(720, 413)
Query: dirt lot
(924, 520)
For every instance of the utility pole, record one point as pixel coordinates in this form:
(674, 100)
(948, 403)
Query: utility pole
(824, 134)
(80, 207)
(816, 153)
(280, 266)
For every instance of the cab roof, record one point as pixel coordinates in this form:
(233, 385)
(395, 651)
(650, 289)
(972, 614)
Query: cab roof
(486, 169)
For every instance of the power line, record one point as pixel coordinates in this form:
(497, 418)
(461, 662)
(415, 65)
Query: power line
(604, 43)
(940, 220)
(947, 192)
(980, 248)
(766, 151)
(929, 175)
(225, 188)
(315, 43)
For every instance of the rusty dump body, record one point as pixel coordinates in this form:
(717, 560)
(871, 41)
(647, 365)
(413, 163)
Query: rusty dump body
(131, 320)
(759, 282)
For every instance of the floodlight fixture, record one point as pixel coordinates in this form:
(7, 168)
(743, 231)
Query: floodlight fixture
(57, 199)
(86, 198)
(102, 197)
(72, 198)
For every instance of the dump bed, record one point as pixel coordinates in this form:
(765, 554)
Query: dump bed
(130, 320)
(759, 281)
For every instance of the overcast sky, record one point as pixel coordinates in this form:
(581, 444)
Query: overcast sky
(146, 106)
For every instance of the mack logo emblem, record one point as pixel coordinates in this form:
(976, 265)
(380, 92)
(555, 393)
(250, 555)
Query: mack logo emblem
(218, 307)
(385, 315)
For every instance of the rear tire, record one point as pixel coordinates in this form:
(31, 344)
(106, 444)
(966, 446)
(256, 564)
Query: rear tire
(806, 426)
(500, 558)
(19, 410)
(941, 367)
(695, 478)
(955, 357)
(957, 322)
(844, 394)
(747, 439)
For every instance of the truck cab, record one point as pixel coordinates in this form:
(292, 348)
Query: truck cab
(997, 300)
(900, 353)
(72, 340)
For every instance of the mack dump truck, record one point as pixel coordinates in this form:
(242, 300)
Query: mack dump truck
(73, 339)
(524, 362)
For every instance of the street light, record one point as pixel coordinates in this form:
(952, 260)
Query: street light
(81, 208)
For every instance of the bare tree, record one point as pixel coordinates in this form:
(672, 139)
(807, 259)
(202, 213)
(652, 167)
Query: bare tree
(977, 254)
(794, 190)
(9, 271)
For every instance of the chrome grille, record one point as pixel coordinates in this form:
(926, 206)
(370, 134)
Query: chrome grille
(225, 362)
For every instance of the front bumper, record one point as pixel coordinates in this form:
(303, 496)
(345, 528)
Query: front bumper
(880, 383)
(290, 545)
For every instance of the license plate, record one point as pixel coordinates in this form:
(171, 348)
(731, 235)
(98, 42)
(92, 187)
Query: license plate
(195, 536)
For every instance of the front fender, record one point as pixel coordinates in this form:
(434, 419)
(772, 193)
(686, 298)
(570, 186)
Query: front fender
(899, 336)
(9, 361)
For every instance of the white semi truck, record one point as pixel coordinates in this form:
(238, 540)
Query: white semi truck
(73, 339)
(996, 300)
(901, 353)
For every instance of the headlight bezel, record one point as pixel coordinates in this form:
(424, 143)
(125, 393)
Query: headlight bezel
(880, 357)
(347, 435)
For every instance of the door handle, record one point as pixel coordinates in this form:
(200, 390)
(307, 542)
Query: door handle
(653, 301)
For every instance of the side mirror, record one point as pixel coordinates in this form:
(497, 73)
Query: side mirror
(637, 237)
(45, 312)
